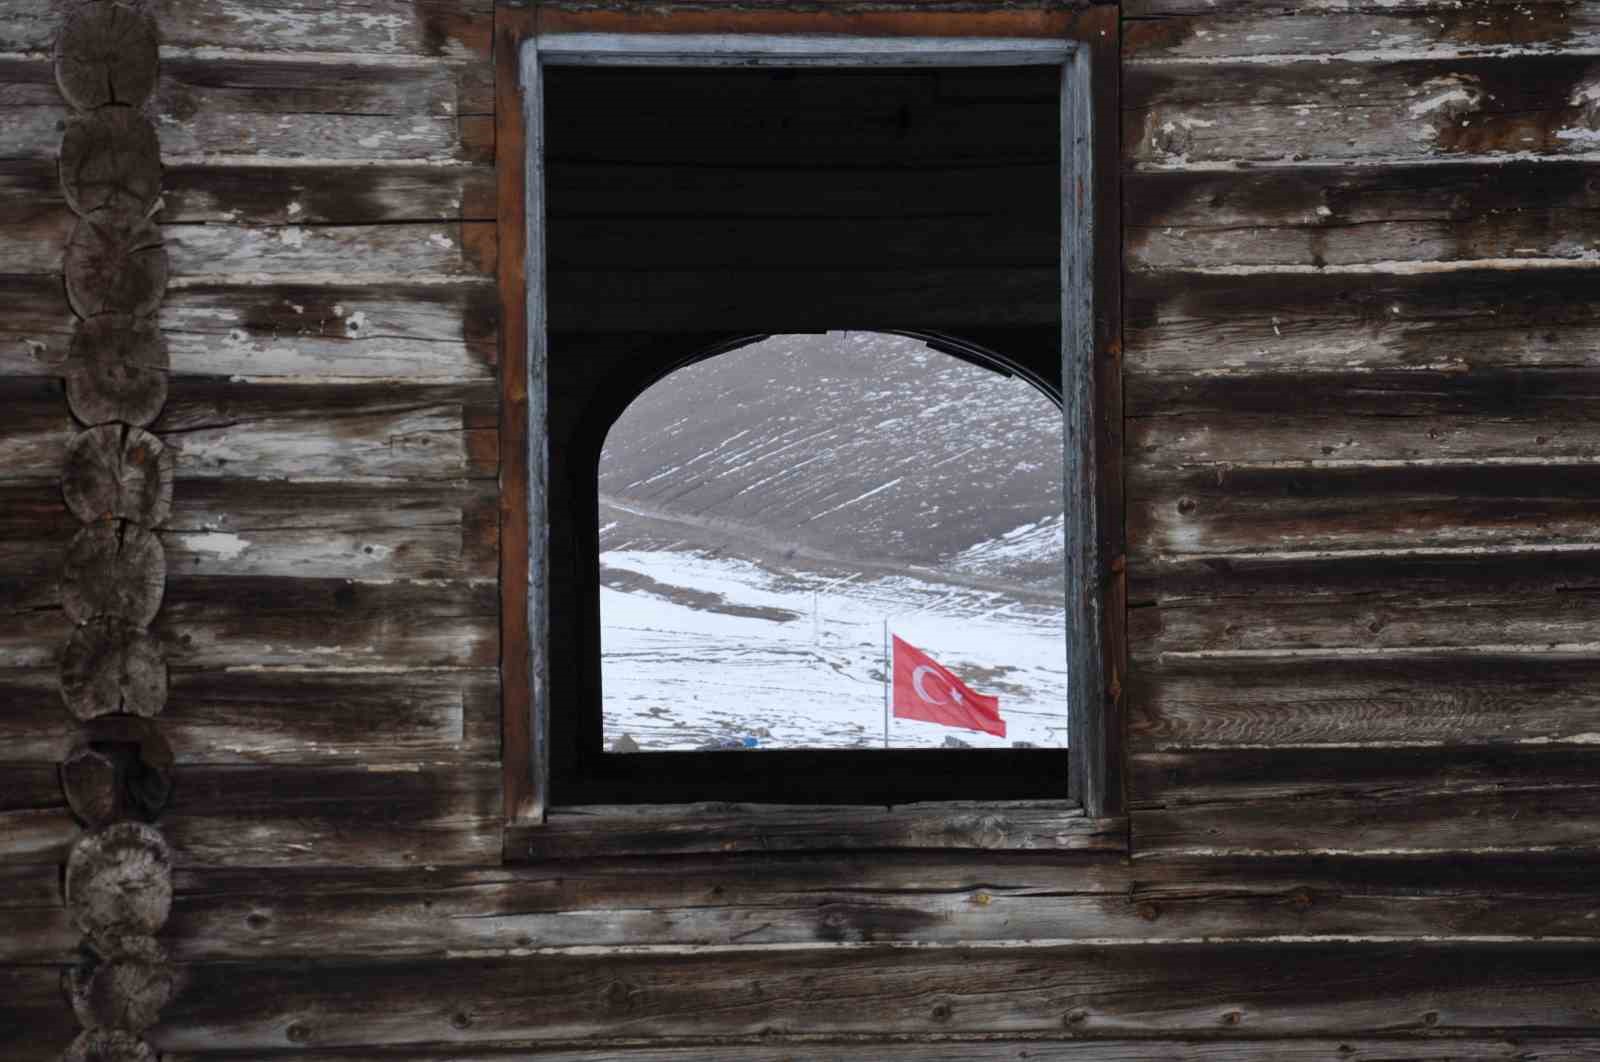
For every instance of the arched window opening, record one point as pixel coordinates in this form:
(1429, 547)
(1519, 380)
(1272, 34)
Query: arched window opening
(784, 527)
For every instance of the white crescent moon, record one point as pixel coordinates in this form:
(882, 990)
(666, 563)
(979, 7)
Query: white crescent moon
(916, 684)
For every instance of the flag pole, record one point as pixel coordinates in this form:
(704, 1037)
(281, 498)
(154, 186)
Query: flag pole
(888, 681)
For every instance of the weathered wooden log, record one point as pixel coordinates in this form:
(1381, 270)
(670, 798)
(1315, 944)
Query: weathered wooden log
(117, 370)
(112, 666)
(115, 268)
(124, 989)
(116, 472)
(89, 780)
(119, 882)
(111, 164)
(113, 569)
(122, 770)
(108, 1045)
(107, 53)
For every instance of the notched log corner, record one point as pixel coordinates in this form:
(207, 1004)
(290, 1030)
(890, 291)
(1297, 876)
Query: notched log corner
(124, 988)
(123, 770)
(118, 472)
(117, 370)
(107, 53)
(119, 883)
(114, 267)
(116, 569)
(111, 666)
(108, 1045)
(111, 165)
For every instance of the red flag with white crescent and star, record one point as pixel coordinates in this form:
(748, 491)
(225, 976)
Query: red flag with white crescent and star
(925, 689)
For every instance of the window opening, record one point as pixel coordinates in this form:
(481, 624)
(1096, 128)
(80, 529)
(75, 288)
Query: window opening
(785, 526)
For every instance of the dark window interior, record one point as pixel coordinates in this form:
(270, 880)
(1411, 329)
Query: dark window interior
(689, 210)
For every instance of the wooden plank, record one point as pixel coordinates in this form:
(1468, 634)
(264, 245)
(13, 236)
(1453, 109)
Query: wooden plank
(218, 429)
(385, 815)
(603, 301)
(524, 756)
(1390, 622)
(35, 825)
(31, 109)
(793, 118)
(235, 621)
(268, 253)
(38, 428)
(1520, 1048)
(324, 328)
(1389, 508)
(1487, 11)
(35, 325)
(594, 243)
(1501, 415)
(34, 927)
(661, 829)
(316, 110)
(1404, 29)
(34, 219)
(636, 190)
(313, 194)
(1386, 800)
(1270, 578)
(35, 1022)
(263, 431)
(761, 902)
(1457, 320)
(447, 30)
(370, 531)
(290, 717)
(1310, 989)
(247, 620)
(1342, 216)
(453, 30)
(1181, 114)
(1478, 699)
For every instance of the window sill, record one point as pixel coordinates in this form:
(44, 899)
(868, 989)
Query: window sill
(600, 830)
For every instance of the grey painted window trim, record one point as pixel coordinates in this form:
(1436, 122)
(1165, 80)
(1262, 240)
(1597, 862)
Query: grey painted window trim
(1083, 605)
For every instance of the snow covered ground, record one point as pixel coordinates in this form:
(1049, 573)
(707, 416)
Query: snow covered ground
(700, 649)
(763, 513)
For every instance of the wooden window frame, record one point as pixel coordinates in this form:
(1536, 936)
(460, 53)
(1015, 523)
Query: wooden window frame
(1084, 44)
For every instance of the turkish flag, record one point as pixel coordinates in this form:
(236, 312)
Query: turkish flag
(924, 689)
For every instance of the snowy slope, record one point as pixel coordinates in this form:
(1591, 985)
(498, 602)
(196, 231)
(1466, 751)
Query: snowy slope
(763, 513)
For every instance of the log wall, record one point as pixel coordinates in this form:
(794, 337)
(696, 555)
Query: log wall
(1360, 378)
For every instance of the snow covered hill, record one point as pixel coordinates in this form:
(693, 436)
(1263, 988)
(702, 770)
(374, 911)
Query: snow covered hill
(764, 512)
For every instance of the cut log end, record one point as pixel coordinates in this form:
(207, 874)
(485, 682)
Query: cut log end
(114, 267)
(119, 473)
(107, 54)
(108, 1045)
(113, 569)
(111, 666)
(122, 771)
(125, 989)
(111, 165)
(117, 370)
(119, 882)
